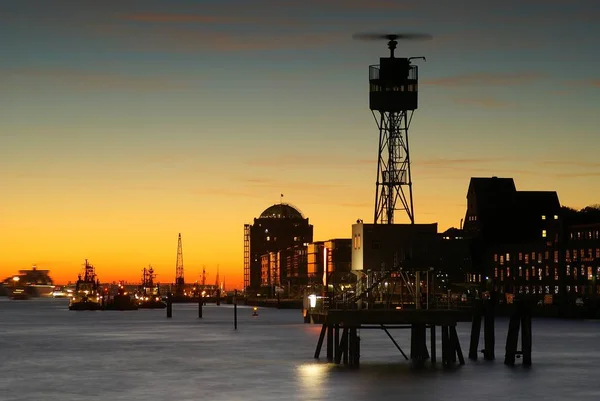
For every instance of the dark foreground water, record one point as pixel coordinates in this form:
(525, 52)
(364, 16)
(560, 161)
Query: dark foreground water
(50, 353)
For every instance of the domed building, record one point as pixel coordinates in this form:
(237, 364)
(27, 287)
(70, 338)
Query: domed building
(278, 227)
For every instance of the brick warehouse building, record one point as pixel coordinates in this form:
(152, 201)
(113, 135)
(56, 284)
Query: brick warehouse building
(515, 238)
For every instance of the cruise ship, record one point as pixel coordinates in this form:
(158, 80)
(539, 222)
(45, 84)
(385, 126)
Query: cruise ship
(35, 282)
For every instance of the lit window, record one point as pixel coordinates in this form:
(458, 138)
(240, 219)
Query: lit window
(268, 238)
(555, 217)
(544, 233)
(543, 217)
(508, 257)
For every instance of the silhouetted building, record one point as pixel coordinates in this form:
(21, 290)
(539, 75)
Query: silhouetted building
(455, 259)
(393, 246)
(513, 237)
(279, 227)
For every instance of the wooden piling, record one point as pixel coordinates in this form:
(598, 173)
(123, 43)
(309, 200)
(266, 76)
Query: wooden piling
(526, 338)
(432, 344)
(169, 305)
(520, 319)
(235, 310)
(456, 345)
(336, 339)
(329, 343)
(475, 329)
(342, 347)
(445, 346)
(512, 337)
(320, 342)
(489, 329)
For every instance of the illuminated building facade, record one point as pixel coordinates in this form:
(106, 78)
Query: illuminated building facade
(279, 227)
(582, 261)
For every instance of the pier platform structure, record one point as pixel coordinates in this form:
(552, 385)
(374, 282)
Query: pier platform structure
(340, 328)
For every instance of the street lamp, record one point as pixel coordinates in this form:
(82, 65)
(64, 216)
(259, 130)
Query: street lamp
(16, 280)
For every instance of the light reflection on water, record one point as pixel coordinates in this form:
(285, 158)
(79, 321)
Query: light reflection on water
(49, 353)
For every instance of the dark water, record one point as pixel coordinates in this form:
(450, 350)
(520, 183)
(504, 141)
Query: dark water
(50, 353)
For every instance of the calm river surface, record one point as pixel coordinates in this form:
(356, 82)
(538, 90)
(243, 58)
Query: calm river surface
(50, 353)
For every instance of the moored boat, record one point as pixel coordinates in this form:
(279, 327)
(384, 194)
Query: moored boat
(86, 295)
(148, 294)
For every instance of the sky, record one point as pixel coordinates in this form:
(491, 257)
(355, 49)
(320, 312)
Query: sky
(124, 123)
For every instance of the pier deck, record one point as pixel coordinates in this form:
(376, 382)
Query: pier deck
(340, 332)
(361, 317)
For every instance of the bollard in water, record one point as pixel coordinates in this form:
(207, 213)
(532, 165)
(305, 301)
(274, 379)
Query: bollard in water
(200, 302)
(235, 310)
(169, 305)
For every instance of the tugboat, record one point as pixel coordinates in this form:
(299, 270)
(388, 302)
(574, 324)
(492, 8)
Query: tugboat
(148, 295)
(121, 301)
(86, 295)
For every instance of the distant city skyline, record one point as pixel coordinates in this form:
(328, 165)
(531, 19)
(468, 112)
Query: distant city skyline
(125, 123)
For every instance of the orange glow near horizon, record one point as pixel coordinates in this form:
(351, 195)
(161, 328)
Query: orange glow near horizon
(122, 127)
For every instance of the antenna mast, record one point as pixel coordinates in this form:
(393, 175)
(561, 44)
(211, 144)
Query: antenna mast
(179, 281)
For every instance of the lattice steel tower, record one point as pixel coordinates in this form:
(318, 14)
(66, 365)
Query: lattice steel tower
(179, 281)
(393, 99)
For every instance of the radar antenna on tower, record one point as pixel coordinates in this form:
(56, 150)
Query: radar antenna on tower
(392, 100)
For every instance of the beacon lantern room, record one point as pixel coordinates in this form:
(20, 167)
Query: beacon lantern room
(279, 227)
(393, 85)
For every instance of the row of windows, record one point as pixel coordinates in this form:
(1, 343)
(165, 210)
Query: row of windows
(525, 257)
(582, 253)
(525, 272)
(549, 290)
(574, 271)
(569, 254)
(544, 217)
(474, 278)
(585, 234)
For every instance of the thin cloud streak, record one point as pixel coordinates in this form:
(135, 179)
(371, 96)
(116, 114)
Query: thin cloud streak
(486, 79)
(80, 79)
(307, 161)
(585, 83)
(485, 102)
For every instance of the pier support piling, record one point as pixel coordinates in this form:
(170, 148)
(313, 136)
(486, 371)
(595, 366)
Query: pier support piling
(329, 343)
(320, 341)
(489, 339)
(433, 344)
(483, 310)
(520, 319)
